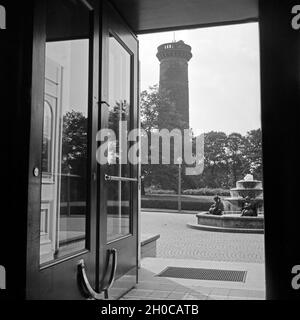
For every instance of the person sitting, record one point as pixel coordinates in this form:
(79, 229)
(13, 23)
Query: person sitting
(249, 209)
(217, 208)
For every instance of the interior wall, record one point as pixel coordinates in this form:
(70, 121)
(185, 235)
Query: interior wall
(15, 102)
(280, 96)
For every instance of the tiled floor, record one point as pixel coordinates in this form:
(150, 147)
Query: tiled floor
(152, 287)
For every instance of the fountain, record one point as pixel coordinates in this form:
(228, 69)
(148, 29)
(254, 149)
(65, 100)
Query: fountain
(245, 214)
(248, 187)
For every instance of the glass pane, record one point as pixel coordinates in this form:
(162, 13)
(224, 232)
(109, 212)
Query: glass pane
(119, 101)
(118, 203)
(47, 138)
(118, 210)
(65, 133)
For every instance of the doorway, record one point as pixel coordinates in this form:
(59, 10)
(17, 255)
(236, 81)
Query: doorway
(222, 84)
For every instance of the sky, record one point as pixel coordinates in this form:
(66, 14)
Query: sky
(224, 75)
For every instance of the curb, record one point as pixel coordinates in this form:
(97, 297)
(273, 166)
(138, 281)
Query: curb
(168, 211)
(218, 229)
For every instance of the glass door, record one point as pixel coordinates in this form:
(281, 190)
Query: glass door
(82, 229)
(119, 176)
(62, 191)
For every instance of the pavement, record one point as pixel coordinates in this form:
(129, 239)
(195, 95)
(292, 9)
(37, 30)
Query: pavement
(180, 246)
(152, 287)
(177, 241)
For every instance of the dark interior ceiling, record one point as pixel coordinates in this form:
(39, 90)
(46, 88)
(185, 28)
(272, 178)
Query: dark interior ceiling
(158, 15)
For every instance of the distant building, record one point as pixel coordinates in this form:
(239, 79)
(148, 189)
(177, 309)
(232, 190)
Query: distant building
(174, 58)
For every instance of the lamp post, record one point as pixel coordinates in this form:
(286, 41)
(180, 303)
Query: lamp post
(179, 183)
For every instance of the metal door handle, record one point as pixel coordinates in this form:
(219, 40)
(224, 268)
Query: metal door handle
(104, 102)
(105, 287)
(122, 179)
(84, 282)
(83, 279)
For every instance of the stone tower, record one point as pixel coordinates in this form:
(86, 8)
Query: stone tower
(174, 58)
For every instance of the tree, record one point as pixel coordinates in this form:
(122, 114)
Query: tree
(253, 153)
(74, 156)
(235, 157)
(214, 159)
(227, 157)
(157, 111)
(74, 143)
(149, 105)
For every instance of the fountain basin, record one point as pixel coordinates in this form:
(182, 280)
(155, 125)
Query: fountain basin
(236, 203)
(247, 190)
(229, 222)
(252, 193)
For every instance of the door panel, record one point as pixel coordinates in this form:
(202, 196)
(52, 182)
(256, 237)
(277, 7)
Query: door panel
(119, 177)
(65, 145)
(63, 230)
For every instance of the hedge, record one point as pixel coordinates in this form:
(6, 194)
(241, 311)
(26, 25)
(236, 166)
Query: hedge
(207, 192)
(159, 191)
(192, 192)
(172, 204)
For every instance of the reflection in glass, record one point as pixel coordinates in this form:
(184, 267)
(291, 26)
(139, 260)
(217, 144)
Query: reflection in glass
(118, 210)
(47, 139)
(118, 203)
(65, 133)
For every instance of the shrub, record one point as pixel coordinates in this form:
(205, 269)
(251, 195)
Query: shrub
(160, 191)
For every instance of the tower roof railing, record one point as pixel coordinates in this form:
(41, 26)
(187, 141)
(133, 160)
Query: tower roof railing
(174, 49)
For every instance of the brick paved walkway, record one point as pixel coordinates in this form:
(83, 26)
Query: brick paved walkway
(179, 242)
